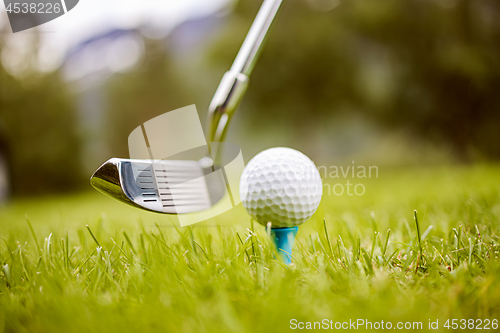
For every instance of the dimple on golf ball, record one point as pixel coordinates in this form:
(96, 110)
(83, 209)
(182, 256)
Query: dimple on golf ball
(281, 186)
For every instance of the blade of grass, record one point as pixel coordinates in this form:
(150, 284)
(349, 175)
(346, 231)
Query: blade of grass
(419, 241)
(34, 235)
(384, 250)
(328, 237)
(93, 237)
(127, 239)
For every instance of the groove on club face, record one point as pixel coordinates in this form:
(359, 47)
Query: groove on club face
(170, 187)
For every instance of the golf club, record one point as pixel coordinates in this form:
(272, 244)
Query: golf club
(177, 187)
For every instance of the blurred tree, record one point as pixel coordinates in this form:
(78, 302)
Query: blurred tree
(41, 132)
(427, 66)
(153, 88)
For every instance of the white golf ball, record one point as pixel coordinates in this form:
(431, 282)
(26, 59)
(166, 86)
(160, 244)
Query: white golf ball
(281, 186)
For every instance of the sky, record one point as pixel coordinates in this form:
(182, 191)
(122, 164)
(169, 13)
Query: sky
(92, 17)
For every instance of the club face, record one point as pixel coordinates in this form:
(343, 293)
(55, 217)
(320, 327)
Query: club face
(169, 187)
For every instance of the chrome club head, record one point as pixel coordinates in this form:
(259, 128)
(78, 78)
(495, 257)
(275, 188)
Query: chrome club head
(169, 187)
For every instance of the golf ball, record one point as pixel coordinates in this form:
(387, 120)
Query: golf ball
(281, 186)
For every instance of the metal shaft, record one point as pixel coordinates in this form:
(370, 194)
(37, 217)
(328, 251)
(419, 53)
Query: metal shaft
(252, 46)
(234, 83)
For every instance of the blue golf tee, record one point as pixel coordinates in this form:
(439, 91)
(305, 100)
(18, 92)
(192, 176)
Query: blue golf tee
(283, 239)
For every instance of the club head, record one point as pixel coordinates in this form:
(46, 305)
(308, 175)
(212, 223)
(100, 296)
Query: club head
(162, 186)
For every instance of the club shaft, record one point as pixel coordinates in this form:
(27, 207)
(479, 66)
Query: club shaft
(234, 83)
(252, 46)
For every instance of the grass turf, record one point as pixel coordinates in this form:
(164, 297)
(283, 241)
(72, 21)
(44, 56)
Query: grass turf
(359, 257)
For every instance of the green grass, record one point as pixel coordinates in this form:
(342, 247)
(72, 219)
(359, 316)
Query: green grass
(133, 271)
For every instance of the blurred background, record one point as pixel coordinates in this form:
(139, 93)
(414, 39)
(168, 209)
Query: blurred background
(389, 83)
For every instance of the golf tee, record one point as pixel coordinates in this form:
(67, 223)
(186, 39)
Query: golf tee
(283, 239)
